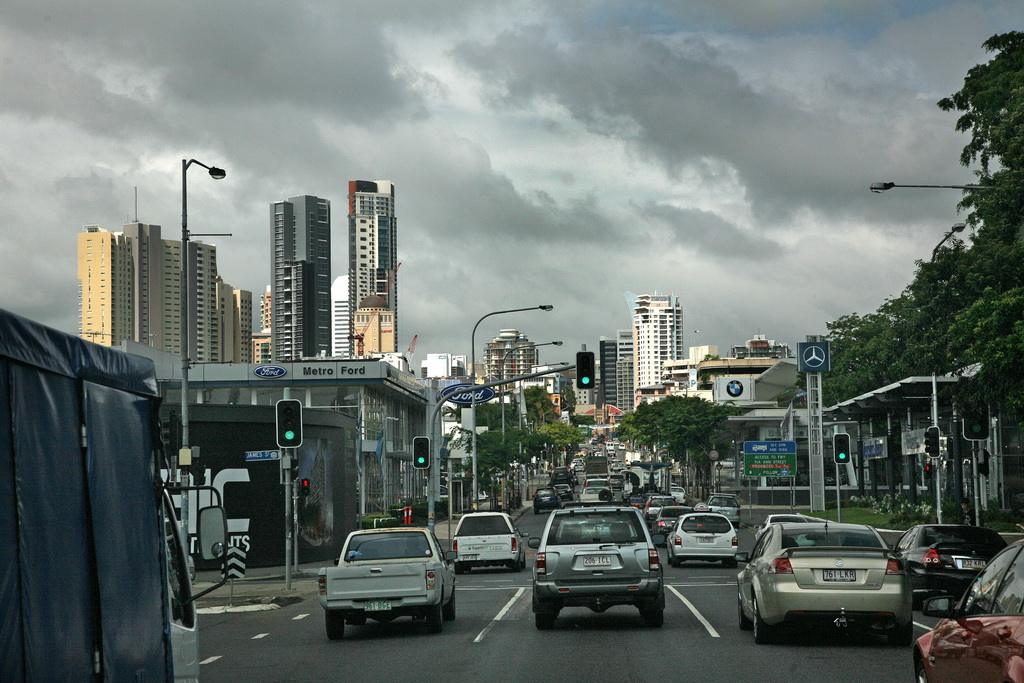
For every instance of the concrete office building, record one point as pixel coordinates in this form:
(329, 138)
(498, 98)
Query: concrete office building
(130, 288)
(657, 336)
(372, 254)
(300, 231)
(341, 325)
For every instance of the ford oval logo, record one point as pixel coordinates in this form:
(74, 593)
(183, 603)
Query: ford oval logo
(270, 371)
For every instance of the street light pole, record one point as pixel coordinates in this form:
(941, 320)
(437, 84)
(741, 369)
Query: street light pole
(882, 187)
(955, 228)
(472, 407)
(501, 370)
(184, 458)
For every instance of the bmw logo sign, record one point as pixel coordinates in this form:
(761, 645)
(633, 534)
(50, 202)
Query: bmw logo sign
(734, 388)
(269, 371)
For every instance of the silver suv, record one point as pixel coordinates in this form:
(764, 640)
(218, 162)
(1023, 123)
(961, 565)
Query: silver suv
(597, 557)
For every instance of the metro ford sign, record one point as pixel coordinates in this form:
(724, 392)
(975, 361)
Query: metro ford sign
(467, 397)
(269, 371)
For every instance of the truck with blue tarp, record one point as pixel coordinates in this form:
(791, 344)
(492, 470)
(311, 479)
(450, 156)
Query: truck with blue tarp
(93, 574)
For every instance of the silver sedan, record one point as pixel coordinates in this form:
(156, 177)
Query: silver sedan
(823, 575)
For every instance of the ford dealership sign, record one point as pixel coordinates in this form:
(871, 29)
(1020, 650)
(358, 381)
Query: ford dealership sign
(471, 396)
(270, 371)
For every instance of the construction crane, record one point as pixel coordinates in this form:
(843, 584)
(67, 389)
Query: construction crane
(359, 336)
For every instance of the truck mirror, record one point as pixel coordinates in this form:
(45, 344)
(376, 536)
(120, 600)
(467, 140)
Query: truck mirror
(213, 532)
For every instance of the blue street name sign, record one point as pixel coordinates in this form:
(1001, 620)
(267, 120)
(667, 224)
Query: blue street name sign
(769, 447)
(262, 455)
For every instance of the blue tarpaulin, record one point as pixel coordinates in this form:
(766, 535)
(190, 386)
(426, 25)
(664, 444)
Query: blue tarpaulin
(82, 554)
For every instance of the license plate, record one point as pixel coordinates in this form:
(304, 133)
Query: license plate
(597, 561)
(468, 556)
(839, 574)
(377, 606)
(706, 539)
(970, 564)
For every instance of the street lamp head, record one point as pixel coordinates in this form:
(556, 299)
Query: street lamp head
(546, 307)
(957, 227)
(217, 173)
(882, 187)
(557, 343)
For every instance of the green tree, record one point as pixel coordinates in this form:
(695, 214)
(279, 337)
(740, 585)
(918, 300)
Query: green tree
(539, 408)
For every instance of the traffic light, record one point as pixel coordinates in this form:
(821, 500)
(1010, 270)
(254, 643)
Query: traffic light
(421, 452)
(584, 369)
(841, 448)
(975, 425)
(289, 423)
(304, 487)
(931, 442)
(927, 470)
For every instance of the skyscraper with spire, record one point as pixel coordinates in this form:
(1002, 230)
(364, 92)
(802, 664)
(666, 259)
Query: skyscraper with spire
(373, 262)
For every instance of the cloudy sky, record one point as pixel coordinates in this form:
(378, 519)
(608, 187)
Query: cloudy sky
(543, 152)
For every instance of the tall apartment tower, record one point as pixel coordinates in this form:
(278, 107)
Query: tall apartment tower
(341, 327)
(130, 288)
(372, 255)
(657, 336)
(509, 354)
(300, 231)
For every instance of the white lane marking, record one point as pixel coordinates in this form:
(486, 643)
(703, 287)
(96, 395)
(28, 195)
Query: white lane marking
(208, 660)
(700, 617)
(260, 635)
(926, 628)
(499, 615)
(299, 616)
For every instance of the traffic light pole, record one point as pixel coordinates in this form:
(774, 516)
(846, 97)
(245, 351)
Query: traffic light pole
(432, 425)
(839, 499)
(288, 454)
(938, 470)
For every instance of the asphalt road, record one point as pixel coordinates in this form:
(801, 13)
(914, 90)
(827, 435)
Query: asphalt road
(493, 638)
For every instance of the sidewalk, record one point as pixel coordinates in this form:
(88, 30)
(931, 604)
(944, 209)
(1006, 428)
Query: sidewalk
(264, 588)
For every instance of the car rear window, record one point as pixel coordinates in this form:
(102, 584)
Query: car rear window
(674, 511)
(724, 502)
(962, 534)
(708, 524)
(541, 492)
(658, 501)
(597, 527)
(846, 538)
(390, 546)
(483, 526)
(788, 518)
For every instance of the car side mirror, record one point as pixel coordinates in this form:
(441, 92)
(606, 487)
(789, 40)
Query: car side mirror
(940, 607)
(533, 542)
(658, 539)
(451, 555)
(743, 557)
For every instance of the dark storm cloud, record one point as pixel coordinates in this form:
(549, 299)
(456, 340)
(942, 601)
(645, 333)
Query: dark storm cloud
(709, 234)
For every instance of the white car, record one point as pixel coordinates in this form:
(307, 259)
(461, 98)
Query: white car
(596, 494)
(679, 493)
(707, 536)
(488, 539)
(783, 517)
(725, 504)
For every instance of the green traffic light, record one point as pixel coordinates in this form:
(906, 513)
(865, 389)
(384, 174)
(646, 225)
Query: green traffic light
(585, 380)
(289, 435)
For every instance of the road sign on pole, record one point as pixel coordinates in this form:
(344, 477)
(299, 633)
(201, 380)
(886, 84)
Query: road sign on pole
(769, 458)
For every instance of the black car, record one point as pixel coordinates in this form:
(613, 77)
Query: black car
(943, 559)
(545, 499)
(564, 491)
(563, 475)
(667, 516)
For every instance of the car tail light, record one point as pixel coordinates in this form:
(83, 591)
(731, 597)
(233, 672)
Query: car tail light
(542, 564)
(734, 542)
(677, 541)
(321, 583)
(455, 545)
(653, 561)
(781, 565)
(515, 544)
(894, 566)
(431, 580)
(932, 557)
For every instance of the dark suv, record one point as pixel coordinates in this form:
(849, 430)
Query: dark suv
(563, 475)
(597, 557)
(546, 499)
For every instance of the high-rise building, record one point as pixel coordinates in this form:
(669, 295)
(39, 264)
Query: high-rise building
(372, 253)
(130, 288)
(376, 325)
(266, 311)
(657, 336)
(300, 230)
(341, 326)
(235, 312)
(509, 354)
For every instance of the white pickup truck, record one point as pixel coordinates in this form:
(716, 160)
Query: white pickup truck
(384, 574)
(488, 539)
